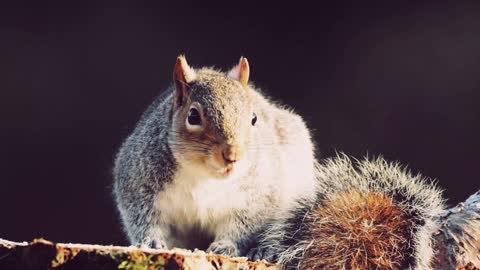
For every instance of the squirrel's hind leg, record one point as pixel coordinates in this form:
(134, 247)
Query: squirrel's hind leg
(262, 253)
(235, 237)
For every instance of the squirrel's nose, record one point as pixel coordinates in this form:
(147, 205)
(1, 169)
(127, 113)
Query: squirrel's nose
(230, 155)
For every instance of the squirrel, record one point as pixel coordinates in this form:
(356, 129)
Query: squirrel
(366, 214)
(209, 161)
(214, 164)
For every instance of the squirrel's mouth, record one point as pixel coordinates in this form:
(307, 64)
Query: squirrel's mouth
(220, 169)
(226, 171)
(229, 169)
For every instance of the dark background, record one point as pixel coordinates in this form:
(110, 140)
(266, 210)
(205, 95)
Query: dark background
(399, 80)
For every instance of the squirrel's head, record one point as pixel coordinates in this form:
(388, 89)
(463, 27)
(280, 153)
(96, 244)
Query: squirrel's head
(213, 118)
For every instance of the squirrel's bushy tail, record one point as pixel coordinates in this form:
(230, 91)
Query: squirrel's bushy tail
(367, 214)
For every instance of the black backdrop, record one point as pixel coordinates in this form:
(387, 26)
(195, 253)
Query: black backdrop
(401, 81)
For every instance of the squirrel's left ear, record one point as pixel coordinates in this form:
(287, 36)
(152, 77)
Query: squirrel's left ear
(182, 76)
(240, 72)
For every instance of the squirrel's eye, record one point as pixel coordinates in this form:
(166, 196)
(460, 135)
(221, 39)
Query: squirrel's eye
(254, 119)
(194, 117)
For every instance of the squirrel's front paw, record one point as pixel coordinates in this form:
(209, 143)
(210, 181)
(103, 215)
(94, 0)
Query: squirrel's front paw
(153, 243)
(223, 247)
(262, 253)
(158, 244)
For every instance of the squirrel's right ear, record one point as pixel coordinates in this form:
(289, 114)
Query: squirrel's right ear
(182, 76)
(240, 72)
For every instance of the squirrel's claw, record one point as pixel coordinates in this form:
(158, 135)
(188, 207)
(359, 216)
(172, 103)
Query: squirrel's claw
(262, 253)
(223, 247)
(158, 244)
(152, 243)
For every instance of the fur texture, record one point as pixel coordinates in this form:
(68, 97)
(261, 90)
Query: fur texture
(172, 186)
(367, 214)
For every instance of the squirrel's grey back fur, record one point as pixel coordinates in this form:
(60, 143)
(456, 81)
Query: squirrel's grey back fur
(143, 165)
(316, 234)
(164, 189)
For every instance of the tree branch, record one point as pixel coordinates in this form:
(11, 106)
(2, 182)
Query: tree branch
(42, 254)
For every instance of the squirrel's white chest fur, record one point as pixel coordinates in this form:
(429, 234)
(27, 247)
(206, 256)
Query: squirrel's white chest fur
(193, 201)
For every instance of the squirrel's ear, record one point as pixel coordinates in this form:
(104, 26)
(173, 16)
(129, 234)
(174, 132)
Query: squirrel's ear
(182, 76)
(240, 72)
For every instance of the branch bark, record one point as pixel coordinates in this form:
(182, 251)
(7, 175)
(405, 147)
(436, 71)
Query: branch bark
(42, 254)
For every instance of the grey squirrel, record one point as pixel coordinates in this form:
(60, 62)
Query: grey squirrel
(210, 162)
(213, 164)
